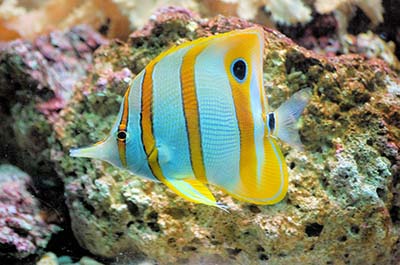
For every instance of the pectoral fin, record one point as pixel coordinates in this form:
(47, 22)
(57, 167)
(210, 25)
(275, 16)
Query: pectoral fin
(193, 190)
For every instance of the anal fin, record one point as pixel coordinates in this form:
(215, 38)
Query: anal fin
(194, 191)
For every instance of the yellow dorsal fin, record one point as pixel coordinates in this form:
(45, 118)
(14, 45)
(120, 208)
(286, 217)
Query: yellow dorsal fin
(192, 190)
(175, 48)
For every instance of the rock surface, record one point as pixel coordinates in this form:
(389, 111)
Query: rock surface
(343, 204)
(51, 259)
(36, 81)
(23, 230)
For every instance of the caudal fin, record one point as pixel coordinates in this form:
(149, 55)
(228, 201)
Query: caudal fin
(287, 116)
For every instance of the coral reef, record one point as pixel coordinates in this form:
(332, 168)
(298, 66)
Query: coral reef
(324, 35)
(291, 12)
(36, 80)
(116, 18)
(46, 70)
(372, 46)
(341, 193)
(23, 230)
(346, 9)
(19, 21)
(343, 204)
(288, 11)
(51, 259)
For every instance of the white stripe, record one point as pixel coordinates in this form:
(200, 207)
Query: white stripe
(218, 124)
(256, 110)
(168, 117)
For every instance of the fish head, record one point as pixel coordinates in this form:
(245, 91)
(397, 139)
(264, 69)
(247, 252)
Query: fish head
(234, 59)
(243, 56)
(106, 149)
(112, 148)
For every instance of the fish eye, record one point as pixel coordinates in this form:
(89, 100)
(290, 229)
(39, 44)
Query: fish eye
(239, 69)
(121, 135)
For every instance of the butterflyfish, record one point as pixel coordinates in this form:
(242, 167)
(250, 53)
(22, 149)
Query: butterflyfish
(197, 115)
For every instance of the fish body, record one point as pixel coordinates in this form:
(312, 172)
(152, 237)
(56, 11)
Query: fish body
(197, 115)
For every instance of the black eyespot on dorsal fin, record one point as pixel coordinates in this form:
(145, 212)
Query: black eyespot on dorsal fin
(271, 121)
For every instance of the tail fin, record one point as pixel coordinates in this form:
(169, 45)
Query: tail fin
(287, 116)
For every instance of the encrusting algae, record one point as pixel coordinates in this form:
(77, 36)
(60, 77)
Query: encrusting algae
(312, 212)
(342, 204)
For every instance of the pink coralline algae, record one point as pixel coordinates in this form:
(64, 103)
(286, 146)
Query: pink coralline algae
(53, 64)
(23, 230)
(108, 76)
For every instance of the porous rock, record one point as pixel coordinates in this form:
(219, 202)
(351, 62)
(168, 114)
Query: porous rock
(23, 229)
(37, 79)
(343, 200)
(342, 193)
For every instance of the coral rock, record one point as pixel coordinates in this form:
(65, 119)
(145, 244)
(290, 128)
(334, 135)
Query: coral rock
(48, 259)
(19, 20)
(341, 205)
(37, 79)
(51, 64)
(23, 231)
(343, 200)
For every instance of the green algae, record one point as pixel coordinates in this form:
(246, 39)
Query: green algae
(338, 183)
(341, 192)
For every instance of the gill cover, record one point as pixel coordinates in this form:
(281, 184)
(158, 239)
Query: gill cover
(112, 148)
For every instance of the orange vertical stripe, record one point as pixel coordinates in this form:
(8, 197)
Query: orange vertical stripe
(241, 99)
(146, 111)
(248, 157)
(148, 139)
(191, 111)
(123, 127)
